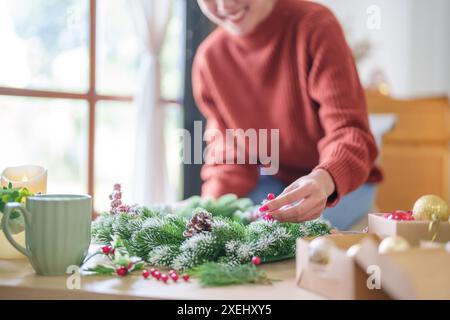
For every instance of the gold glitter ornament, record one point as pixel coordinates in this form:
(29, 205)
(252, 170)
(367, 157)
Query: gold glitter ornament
(431, 208)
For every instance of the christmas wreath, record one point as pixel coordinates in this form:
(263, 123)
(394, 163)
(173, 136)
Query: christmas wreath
(200, 236)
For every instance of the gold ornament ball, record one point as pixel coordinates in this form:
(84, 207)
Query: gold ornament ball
(431, 207)
(393, 244)
(319, 250)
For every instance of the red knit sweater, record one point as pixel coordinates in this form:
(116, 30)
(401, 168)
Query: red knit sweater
(294, 73)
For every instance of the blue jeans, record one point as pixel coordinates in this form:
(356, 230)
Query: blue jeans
(350, 209)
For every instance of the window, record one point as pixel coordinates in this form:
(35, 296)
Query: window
(68, 71)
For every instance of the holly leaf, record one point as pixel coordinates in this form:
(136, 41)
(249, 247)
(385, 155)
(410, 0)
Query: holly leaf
(102, 269)
(137, 266)
(121, 258)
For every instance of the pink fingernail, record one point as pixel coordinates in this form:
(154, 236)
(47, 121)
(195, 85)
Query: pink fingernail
(264, 208)
(270, 196)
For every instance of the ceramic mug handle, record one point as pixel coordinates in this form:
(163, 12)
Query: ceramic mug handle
(9, 208)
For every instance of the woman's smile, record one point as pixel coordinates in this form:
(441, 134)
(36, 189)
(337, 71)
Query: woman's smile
(239, 17)
(236, 17)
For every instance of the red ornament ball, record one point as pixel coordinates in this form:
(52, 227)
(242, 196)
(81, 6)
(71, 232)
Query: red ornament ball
(256, 261)
(107, 249)
(174, 276)
(164, 278)
(122, 271)
(186, 277)
(145, 274)
(157, 275)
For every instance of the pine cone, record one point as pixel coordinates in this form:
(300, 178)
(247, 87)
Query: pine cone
(200, 222)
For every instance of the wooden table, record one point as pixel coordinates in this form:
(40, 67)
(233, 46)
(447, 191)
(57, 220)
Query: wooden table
(18, 281)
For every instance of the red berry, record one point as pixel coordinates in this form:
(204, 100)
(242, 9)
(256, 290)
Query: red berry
(122, 271)
(157, 275)
(116, 203)
(256, 261)
(186, 277)
(106, 249)
(270, 196)
(164, 278)
(172, 271)
(399, 216)
(174, 276)
(123, 208)
(145, 274)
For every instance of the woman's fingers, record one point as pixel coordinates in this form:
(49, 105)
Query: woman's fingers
(289, 188)
(295, 195)
(303, 212)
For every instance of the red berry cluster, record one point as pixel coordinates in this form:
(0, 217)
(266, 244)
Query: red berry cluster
(117, 206)
(155, 273)
(108, 250)
(400, 215)
(123, 271)
(120, 270)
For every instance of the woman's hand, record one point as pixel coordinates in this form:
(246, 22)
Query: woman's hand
(303, 200)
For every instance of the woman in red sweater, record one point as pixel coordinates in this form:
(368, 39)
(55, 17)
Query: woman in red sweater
(285, 64)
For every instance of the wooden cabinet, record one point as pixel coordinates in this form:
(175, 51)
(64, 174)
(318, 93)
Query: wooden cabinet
(415, 156)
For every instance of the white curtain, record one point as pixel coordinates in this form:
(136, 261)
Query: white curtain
(150, 181)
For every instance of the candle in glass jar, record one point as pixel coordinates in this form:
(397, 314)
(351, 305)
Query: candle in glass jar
(34, 178)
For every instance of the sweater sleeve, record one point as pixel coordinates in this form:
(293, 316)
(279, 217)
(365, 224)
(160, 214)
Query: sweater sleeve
(218, 176)
(348, 150)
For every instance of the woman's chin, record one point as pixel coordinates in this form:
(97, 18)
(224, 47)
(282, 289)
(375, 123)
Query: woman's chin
(241, 30)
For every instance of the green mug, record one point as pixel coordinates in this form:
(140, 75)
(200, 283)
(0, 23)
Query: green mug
(57, 231)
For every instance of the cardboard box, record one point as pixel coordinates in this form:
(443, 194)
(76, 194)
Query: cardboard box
(341, 278)
(412, 231)
(414, 274)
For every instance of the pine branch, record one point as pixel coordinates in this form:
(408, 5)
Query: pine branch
(218, 274)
